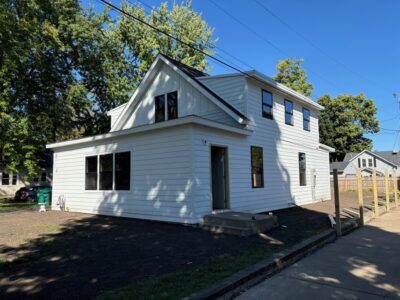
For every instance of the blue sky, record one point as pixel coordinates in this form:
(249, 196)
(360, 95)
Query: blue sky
(358, 46)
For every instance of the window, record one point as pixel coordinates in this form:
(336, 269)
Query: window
(122, 171)
(5, 179)
(160, 108)
(43, 178)
(172, 100)
(267, 104)
(168, 110)
(364, 163)
(106, 172)
(306, 119)
(288, 112)
(14, 179)
(91, 173)
(302, 168)
(369, 162)
(257, 167)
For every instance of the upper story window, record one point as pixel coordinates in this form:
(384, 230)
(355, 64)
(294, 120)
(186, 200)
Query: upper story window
(306, 119)
(369, 162)
(267, 103)
(288, 112)
(364, 163)
(166, 107)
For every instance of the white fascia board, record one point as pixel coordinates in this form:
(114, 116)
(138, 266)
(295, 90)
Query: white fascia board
(115, 108)
(284, 89)
(155, 126)
(326, 148)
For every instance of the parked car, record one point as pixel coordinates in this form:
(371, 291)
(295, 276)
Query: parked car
(28, 193)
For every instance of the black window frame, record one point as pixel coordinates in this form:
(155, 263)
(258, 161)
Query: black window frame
(87, 188)
(5, 175)
(106, 177)
(167, 113)
(267, 115)
(302, 169)
(126, 174)
(306, 120)
(289, 113)
(260, 168)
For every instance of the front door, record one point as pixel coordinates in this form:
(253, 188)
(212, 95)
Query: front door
(219, 175)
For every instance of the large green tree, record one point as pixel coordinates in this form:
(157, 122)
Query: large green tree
(62, 67)
(291, 74)
(345, 121)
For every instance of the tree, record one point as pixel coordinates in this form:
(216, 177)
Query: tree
(62, 67)
(345, 121)
(291, 74)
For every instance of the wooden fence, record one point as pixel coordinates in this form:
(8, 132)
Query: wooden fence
(350, 184)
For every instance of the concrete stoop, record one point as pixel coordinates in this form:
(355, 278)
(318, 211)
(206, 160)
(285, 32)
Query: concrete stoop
(239, 223)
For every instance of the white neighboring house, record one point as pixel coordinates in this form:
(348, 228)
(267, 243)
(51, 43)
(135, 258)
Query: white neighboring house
(366, 161)
(188, 144)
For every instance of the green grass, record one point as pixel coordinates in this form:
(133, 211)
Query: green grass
(5, 207)
(180, 284)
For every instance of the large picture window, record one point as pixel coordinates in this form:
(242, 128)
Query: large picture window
(122, 171)
(91, 173)
(106, 172)
(166, 109)
(267, 103)
(257, 167)
(302, 169)
(288, 112)
(306, 119)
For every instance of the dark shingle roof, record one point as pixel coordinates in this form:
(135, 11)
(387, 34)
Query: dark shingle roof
(339, 165)
(393, 157)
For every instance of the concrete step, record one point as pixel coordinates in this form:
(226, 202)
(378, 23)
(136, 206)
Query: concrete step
(243, 223)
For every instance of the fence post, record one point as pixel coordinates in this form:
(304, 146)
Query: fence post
(337, 203)
(387, 190)
(360, 197)
(395, 187)
(376, 209)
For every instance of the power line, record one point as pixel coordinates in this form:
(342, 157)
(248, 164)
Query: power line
(310, 42)
(265, 40)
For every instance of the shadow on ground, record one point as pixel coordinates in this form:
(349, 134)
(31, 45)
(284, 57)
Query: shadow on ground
(98, 253)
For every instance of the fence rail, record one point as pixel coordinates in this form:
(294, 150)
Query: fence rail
(350, 184)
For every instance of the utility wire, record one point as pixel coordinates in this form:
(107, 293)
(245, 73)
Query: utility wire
(310, 42)
(265, 40)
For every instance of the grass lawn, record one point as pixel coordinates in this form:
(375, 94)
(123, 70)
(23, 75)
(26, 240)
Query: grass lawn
(181, 284)
(6, 207)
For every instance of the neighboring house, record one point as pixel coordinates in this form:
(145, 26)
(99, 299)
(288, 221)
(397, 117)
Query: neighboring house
(393, 157)
(188, 144)
(10, 183)
(366, 161)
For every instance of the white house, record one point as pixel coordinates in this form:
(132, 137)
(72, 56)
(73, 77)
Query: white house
(366, 161)
(188, 144)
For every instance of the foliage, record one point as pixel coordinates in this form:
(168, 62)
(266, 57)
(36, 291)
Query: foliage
(345, 121)
(291, 74)
(63, 67)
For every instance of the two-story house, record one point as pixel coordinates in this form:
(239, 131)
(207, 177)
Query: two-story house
(188, 144)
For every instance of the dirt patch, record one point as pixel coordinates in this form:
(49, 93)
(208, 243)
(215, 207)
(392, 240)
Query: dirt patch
(74, 256)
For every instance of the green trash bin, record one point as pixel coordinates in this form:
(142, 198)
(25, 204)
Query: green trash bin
(44, 196)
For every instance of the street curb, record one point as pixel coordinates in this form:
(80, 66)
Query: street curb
(252, 275)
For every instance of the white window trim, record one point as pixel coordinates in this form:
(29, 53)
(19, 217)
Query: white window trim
(166, 105)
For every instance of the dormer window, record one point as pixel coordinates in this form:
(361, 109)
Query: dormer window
(166, 107)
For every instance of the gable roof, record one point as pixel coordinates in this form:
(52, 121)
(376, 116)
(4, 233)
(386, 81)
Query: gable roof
(352, 156)
(189, 74)
(391, 156)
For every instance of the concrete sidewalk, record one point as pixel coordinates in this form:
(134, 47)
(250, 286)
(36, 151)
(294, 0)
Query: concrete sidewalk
(362, 265)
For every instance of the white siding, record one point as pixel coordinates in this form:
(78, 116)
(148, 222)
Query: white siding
(161, 177)
(190, 100)
(231, 88)
(114, 114)
(381, 166)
